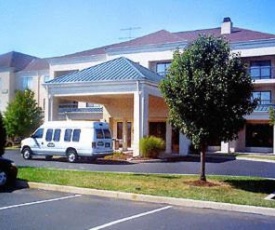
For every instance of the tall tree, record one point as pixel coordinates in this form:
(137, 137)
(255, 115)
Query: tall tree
(2, 136)
(22, 115)
(208, 91)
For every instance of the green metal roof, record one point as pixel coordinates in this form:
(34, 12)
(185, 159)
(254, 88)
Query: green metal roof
(119, 69)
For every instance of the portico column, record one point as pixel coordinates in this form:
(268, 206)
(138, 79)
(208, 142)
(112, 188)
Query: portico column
(48, 108)
(184, 145)
(168, 137)
(140, 117)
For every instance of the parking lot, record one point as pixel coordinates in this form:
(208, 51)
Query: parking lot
(37, 209)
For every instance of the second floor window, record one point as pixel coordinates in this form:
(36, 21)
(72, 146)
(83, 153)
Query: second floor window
(162, 68)
(260, 69)
(27, 82)
(264, 97)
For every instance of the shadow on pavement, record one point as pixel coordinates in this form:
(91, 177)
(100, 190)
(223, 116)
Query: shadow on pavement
(99, 161)
(211, 158)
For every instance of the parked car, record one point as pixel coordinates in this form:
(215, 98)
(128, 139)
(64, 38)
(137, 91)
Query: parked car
(8, 173)
(13, 141)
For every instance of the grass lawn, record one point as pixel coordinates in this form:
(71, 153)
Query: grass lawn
(236, 190)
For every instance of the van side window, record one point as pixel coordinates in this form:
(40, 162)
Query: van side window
(38, 133)
(49, 135)
(99, 134)
(107, 133)
(56, 135)
(68, 135)
(76, 135)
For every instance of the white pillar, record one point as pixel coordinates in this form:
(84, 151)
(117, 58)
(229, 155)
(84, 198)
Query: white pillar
(184, 145)
(273, 139)
(140, 117)
(224, 147)
(137, 123)
(168, 137)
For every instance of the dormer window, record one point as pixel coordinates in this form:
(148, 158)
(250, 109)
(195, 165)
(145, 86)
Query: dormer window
(260, 69)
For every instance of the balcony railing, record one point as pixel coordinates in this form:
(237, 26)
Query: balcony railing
(263, 106)
(73, 108)
(262, 72)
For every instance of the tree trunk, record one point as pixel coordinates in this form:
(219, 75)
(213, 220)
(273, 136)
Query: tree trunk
(202, 155)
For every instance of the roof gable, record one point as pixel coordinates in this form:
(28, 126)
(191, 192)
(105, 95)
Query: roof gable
(15, 60)
(120, 69)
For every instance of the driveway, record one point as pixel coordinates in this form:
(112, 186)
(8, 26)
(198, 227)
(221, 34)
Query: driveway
(213, 166)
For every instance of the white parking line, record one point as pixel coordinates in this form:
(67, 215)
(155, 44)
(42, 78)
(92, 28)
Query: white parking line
(39, 202)
(130, 218)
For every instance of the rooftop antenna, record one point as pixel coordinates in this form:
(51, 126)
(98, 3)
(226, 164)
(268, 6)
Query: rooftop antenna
(129, 29)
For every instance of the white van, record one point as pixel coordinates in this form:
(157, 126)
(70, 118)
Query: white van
(71, 139)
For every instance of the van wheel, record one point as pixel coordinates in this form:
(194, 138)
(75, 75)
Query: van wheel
(72, 155)
(27, 154)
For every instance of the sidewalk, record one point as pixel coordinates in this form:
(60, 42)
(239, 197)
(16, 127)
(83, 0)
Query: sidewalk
(148, 198)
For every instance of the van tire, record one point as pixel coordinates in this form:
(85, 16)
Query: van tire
(27, 153)
(72, 156)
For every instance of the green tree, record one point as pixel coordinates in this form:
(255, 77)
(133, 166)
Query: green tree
(22, 115)
(208, 91)
(2, 136)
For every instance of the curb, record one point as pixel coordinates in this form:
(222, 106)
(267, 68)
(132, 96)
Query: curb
(253, 159)
(152, 199)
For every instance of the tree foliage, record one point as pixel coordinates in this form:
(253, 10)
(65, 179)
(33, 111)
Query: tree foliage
(2, 136)
(22, 115)
(208, 91)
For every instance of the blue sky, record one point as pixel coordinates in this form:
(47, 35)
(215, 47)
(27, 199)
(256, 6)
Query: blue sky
(49, 28)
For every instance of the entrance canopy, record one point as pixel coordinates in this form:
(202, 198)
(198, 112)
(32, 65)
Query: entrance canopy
(122, 86)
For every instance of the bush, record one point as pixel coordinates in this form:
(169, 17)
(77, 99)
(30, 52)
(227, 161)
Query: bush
(151, 146)
(2, 136)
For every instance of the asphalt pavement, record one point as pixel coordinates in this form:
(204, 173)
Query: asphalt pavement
(214, 166)
(38, 209)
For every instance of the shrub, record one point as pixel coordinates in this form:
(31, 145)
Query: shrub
(151, 146)
(2, 136)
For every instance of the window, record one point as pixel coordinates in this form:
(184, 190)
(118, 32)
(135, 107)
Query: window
(27, 82)
(38, 133)
(107, 134)
(99, 134)
(76, 135)
(68, 135)
(264, 97)
(260, 69)
(162, 68)
(259, 135)
(49, 135)
(56, 136)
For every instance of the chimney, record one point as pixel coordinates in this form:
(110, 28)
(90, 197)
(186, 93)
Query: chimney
(226, 27)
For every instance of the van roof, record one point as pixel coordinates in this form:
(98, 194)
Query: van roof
(79, 124)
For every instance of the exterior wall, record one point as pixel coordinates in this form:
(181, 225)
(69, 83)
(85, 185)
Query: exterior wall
(38, 79)
(7, 90)
(145, 58)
